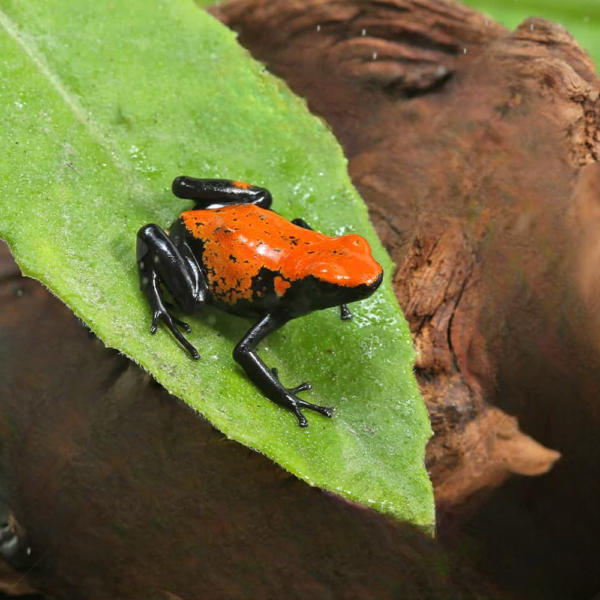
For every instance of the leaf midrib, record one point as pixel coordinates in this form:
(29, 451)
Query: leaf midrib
(82, 115)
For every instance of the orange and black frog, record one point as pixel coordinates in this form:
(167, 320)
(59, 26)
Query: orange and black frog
(232, 251)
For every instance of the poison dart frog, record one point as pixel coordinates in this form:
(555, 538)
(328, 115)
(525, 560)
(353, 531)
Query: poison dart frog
(232, 251)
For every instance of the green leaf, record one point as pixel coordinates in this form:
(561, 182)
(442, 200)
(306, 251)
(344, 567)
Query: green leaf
(580, 17)
(102, 103)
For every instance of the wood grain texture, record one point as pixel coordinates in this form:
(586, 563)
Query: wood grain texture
(475, 150)
(453, 186)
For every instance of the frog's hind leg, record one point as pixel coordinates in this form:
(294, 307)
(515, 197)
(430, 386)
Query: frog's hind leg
(217, 193)
(162, 262)
(345, 313)
(268, 379)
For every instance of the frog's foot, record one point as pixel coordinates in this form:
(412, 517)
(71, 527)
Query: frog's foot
(161, 313)
(180, 276)
(295, 404)
(303, 387)
(267, 379)
(345, 312)
(290, 400)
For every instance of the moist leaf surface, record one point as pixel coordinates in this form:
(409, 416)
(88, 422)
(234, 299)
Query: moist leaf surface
(102, 104)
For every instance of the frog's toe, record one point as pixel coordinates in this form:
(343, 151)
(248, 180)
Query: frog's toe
(297, 403)
(323, 410)
(301, 418)
(182, 324)
(303, 387)
(345, 313)
(154, 326)
(326, 410)
(171, 323)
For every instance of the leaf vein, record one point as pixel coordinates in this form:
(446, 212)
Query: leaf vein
(39, 60)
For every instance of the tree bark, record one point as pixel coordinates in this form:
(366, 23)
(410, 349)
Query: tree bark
(476, 151)
(474, 148)
(458, 186)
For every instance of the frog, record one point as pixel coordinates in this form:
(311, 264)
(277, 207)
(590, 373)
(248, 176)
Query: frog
(231, 250)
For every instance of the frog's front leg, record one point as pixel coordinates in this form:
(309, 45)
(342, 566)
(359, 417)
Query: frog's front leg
(162, 262)
(267, 379)
(345, 313)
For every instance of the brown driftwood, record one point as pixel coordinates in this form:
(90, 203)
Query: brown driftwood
(450, 89)
(474, 149)
(12, 582)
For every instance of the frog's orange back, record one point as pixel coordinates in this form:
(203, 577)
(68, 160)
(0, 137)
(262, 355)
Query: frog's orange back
(242, 241)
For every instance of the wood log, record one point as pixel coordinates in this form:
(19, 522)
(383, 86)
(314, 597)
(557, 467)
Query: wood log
(476, 151)
(452, 186)
(474, 148)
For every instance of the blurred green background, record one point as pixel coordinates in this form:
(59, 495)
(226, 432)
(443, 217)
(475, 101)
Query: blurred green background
(580, 17)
